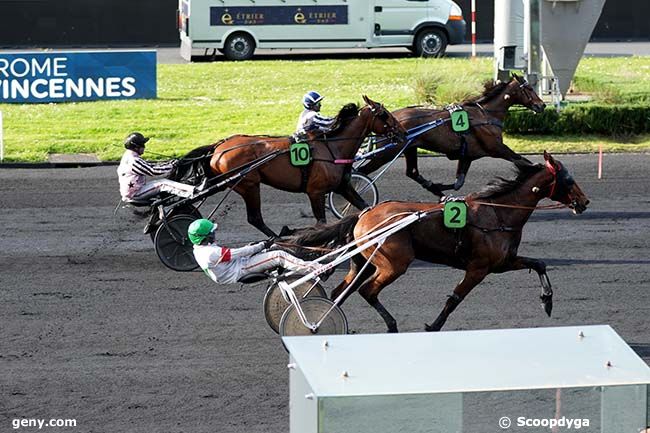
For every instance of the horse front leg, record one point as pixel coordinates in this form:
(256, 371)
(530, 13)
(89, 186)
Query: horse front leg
(461, 172)
(412, 172)
(251, 195)
(502, 151)
(317, 201)
(472, 278)
(350, 194)
(538, 266)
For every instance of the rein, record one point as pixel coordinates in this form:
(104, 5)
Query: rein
(514, 206)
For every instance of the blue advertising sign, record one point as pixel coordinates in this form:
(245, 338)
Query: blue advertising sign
(77, 76)
(278, 15)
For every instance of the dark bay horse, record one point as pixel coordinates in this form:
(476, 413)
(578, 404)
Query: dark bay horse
(484, 138)
(488, 243)
(320, 177)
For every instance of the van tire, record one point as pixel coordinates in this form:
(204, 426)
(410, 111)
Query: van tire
(431, 42)
(239, 46)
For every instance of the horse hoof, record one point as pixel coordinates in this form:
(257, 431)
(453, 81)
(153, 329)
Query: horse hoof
(431, 328)
(286, 231)
(547, 304)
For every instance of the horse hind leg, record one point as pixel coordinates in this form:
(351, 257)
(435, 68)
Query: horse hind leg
(370, 289)
(356, 264)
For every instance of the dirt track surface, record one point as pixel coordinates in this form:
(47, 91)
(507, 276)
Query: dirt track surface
(93, 327)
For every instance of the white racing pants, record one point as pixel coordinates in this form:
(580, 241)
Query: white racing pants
(152, 188)
(275, 259)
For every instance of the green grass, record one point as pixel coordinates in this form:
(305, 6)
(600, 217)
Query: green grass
(201, 103)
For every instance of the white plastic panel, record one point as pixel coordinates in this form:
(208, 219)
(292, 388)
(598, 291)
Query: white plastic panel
(466, 361)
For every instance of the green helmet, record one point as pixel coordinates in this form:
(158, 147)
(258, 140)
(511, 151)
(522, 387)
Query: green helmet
(199, 230)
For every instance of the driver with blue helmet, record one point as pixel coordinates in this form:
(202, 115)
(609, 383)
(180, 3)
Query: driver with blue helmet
(310, 119)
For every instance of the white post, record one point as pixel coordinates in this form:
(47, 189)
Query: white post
(473, 28)
(2, 144)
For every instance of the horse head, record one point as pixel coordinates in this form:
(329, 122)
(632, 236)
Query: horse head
(384, 123)
(562, 188)
(521, 92)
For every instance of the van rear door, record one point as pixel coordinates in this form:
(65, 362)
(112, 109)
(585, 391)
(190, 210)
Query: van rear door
(396, 19)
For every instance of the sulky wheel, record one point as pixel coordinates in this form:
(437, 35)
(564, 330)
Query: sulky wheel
(275, 304)
(315, 309)
(181, 210)
(173, 245)
(364, 186)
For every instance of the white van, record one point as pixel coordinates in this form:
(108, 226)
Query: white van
(238, 27)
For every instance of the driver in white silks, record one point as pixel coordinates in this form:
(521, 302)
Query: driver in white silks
(133, 171)
(228, 265)
(310, 119)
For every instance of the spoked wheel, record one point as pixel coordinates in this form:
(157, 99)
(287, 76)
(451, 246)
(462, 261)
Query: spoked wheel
(363, 185)
(182, 210)
(315, 309)
(173, 245)
(275, 304)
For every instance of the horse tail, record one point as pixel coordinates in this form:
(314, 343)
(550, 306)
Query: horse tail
(338, 233)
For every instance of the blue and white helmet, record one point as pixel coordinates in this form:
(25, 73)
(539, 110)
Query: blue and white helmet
(310, 99)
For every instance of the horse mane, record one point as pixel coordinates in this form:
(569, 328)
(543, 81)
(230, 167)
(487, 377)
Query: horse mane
(490, 90)
(501, 186)
(346, 114)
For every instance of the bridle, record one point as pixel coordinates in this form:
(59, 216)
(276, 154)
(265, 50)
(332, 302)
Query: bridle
(382, 114)
(565, 181)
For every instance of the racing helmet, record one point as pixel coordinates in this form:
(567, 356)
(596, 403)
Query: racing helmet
(135, 139)
(311, 99)
(200, 229)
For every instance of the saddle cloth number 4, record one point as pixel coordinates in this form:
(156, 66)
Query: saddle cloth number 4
(459, 121)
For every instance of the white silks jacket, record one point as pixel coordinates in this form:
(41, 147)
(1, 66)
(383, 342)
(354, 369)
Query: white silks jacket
(224, 265)
(311, 120)
(133, 170)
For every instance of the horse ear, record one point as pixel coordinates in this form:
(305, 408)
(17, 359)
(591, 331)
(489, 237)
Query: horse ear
(548, 158)
(366, 100)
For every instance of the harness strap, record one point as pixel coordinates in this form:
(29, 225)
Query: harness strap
(305, 171)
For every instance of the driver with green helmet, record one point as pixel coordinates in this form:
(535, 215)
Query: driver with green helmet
(228, 265)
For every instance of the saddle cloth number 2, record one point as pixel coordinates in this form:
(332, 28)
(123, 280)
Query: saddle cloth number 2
(455, 214)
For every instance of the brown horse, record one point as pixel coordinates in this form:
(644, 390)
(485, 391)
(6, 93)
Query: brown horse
(488, 243)
(484, 138)
(320, 177)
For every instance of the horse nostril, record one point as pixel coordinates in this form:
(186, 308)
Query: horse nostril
(587, 203)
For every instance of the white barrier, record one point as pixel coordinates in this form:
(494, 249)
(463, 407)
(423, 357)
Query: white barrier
(467, 381)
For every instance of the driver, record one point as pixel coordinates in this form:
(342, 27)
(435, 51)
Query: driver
(133, 171)
(227, 265)
(311, 119)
